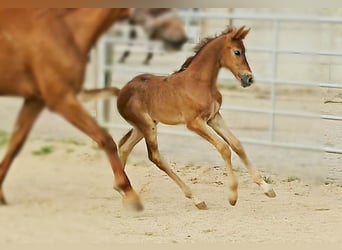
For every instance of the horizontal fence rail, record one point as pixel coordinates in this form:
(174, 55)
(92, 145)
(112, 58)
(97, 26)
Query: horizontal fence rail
(273, 81)
(276, 18)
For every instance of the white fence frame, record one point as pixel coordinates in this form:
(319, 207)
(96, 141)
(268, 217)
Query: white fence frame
(273, 81)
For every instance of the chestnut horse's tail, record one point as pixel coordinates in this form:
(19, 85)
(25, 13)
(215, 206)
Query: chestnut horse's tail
(88, 95)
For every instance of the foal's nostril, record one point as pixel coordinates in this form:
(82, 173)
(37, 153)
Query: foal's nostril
(250, 79)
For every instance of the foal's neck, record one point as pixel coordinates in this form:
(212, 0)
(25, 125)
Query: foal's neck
(206, 63)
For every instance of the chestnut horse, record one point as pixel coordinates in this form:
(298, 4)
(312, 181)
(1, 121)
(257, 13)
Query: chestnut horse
(43, 56)
(189, 96)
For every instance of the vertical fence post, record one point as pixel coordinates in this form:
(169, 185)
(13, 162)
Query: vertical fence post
(230, 12)
(274, 77)
(108, 60)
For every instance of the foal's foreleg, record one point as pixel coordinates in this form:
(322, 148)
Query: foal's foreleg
(28, 114)
(218, 124)
(201, 128)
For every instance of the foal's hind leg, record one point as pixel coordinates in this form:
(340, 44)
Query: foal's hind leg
(149, 131)
(218, 124)
(127, 143)
(28, 114)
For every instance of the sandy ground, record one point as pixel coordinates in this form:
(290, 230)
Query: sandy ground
(66, 195)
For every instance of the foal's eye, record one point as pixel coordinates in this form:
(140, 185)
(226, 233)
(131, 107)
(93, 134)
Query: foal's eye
(237, 52)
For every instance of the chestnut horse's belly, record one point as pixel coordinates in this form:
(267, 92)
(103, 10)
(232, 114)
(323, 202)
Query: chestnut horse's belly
(18, 87)
(15, 77)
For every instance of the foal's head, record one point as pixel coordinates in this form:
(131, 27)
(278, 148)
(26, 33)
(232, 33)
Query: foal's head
(233, 55)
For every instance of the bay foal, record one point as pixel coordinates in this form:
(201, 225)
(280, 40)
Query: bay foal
(189, 96)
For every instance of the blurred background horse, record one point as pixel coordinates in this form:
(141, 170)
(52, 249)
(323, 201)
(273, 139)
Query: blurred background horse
(159, 24)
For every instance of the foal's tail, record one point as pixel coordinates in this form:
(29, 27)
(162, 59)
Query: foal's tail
(88, 95)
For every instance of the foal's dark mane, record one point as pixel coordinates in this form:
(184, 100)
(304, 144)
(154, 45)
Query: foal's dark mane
(200, 46)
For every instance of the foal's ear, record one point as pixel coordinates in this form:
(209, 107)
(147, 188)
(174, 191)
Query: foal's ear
(240, 33)
(244, 33)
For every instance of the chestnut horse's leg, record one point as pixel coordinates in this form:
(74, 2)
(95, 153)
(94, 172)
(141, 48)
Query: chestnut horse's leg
(71, 109)
(200, 127)
(218, 124)
(28, 114)
(149, 130)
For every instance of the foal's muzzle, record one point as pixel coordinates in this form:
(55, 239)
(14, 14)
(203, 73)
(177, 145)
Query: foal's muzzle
(246, 80)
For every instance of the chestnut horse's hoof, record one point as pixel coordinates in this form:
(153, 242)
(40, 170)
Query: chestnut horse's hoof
(2, 198)
(132, 201)
(133, 205)
(201, 205)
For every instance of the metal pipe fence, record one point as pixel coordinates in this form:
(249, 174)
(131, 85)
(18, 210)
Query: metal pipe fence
(273, 81)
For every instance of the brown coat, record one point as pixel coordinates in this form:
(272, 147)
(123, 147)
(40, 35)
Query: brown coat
(43, 55)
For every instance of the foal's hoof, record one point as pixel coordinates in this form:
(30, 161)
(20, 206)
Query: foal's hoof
(201, 206)
(232, 202)
(268, 190)
(232, 198)
(270, 193)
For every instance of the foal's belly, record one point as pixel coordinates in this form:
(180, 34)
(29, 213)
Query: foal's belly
(174, 115)
(166, 117)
